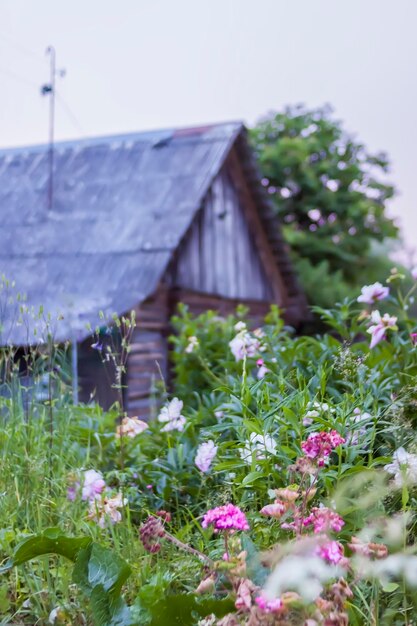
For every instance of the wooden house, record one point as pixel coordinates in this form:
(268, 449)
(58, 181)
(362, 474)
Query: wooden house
(140, 221)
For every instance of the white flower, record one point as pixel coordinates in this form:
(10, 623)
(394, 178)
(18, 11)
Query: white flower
(107, 510)
(380, 326)
(262, 371)
(130, 427)
(333, 185)
(372, 293)
(358, 426)
(93, 485)
(205, 455)
(240, 326)
(403, 467)
(54, 615)
(318, 408)
(192, 343)
(414, 273)
(394, 566)
(171, 414)
(308, 418)
(244, 345)
(259, 446)
(303, 574)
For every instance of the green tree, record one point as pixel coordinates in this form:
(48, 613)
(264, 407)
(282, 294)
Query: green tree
(331, 196)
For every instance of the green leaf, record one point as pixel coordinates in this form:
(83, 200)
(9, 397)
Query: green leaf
(390, 587)
(257, 572)
(251, 478)
(107, 612)
(186, 609)
(98, 571)
(51, 541)
(4, 600)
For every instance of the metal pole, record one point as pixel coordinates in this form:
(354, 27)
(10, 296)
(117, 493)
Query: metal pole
(74, 364)
(51, 51)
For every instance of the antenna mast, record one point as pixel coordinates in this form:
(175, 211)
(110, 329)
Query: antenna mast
(48, 89)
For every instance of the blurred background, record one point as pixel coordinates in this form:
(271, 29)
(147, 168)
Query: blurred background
(137, 65)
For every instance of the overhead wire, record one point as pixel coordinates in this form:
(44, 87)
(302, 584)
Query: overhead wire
(17, 77)
(21, 48)
(70, 113)
(36, 56)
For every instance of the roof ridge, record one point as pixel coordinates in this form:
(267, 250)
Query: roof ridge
(157, 135)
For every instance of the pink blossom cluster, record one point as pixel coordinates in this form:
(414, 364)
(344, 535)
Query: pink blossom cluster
(227, 517)
(323, 519)
(275, 605)
(332, 552)
(93, 485)
(372, 293)
(107, 510)
(319, 446)
(205, 454)
(276, 509)
(379, 327)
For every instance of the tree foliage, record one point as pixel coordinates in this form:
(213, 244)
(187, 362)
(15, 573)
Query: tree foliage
(331, 196)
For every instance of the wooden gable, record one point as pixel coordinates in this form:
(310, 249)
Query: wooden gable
(226, 252)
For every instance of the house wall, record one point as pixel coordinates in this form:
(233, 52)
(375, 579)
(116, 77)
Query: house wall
(219, 254)
(147, 365)
(223, 260)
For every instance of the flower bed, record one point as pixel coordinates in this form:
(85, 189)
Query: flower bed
(276, 487)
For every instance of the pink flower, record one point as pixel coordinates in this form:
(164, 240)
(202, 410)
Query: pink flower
(227, 517)
(380, 326)
(244, 345)
(323, 519)
(262, 369)
(244, 595)
(320, 445)
(107, 510)
(205, 455)
(277, 509)
(130, 427)
(269, 606)
(414, 273)
(332, 552)
(93, 485)
(372, 293)
(413, 337)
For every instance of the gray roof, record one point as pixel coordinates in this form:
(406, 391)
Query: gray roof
(121, 205)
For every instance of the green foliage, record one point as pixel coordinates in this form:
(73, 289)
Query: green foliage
(98, 572)
(258, 425)
(331, 196)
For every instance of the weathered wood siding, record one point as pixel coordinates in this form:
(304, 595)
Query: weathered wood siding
(148, 360)
(198, 303)
(219, 255)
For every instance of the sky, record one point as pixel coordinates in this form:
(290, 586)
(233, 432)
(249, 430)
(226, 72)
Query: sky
(142, 64)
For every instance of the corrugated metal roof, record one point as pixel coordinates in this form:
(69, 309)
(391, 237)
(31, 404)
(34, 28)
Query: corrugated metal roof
(121, 205)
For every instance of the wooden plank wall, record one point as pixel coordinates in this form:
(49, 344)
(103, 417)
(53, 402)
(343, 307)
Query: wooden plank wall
(147, 365)
(219, 255)
(198, 303)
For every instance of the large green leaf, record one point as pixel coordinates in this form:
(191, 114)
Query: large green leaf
(186, 609)
(51, 541)
(99, 566)
(98, 571)
(108, 612)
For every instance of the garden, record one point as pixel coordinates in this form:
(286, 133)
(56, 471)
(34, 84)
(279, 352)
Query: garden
(277, 485)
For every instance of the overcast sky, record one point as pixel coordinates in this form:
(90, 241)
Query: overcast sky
(140, 64)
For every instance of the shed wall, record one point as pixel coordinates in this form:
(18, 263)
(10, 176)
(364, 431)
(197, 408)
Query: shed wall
(219, 254)
(147, 364)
